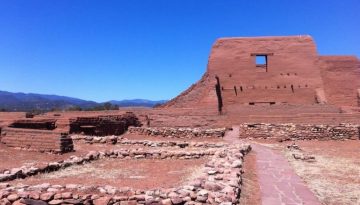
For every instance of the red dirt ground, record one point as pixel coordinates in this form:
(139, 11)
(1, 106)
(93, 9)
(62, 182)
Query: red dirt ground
(138, 174)
(250, 193)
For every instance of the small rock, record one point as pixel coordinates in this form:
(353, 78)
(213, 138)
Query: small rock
(139, 156)
(13, 197)
(133, 202)
(34, 195)
(66, 195)
(166, 202)
(47, 196)
(176, 200)
(201, 199)
(57, 196)
(42, 186)
(23, 194)
(72, 201)
(95, 196)
(212, 186)
(56, 202)
(71, 186)
(212, 172)
(102, 200)
(189, 187)
(203, 192)
(52, 189)
(17, 203)
(225, 203)
(5, 202)
(140, 197)
(236, 164)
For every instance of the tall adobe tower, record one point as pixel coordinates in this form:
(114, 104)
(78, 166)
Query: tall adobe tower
(273, 70)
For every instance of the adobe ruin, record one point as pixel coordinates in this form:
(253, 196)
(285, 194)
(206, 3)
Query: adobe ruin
(38, 140)
(273, 71)
(275, 88)
(103, 125)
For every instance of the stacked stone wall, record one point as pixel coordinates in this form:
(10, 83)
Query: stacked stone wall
(39, 140)
(45, 124)
(177, 132)
(103, 125)
(291, 131)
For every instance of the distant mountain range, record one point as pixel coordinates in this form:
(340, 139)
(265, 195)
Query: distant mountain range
(31, 101)
(137, 103)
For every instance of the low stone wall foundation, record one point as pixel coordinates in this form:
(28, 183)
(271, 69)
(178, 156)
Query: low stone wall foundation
(290, 131)
(177, 132)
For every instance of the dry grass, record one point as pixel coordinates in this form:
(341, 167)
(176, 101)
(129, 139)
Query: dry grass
(333, 180)
(93, 170)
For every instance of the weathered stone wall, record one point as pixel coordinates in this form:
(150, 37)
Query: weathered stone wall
(103, 125)
(39, 140)
(291, 131)
(124, 141)
(177, 132)
(42, 124)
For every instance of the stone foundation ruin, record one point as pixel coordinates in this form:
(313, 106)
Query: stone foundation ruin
(293, 84)
(39, 124)
(103, 125)
(39, 140)
(218, 182)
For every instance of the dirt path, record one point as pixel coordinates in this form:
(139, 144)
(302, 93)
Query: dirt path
(277, 180)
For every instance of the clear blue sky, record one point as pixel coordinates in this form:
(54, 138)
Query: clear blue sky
(153, 49)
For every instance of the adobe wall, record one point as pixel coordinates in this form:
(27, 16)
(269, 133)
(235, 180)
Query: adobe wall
(39, 140)
(39, 124)
(341, 77)
(289, 131)
(293, 74)
(103, 125)
(291, 62)
(199, 95)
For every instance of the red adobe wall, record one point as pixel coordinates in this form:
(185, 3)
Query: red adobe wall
(295, 74)
(39, 140)
(341, 77)
(290, 61)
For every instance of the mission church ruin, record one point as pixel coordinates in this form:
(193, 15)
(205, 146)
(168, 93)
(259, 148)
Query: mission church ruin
(274, 70)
